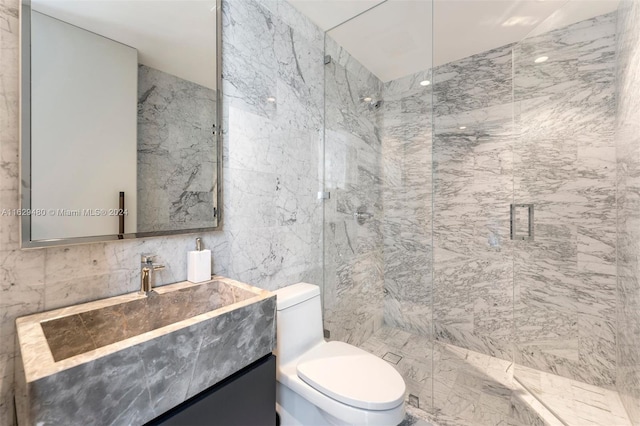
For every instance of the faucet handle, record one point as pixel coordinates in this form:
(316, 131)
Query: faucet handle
(147, 258)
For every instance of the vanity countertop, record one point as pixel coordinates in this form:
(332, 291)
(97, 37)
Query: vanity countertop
(127, 359)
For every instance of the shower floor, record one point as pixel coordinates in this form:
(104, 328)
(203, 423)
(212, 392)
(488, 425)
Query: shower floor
(574, 402)
(470, 388)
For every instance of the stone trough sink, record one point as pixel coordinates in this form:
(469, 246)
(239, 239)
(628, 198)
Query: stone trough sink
(130, 358)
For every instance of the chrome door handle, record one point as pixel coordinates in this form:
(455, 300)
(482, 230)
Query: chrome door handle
(514, 222)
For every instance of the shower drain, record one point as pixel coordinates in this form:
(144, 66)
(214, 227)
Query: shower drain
(392, 358)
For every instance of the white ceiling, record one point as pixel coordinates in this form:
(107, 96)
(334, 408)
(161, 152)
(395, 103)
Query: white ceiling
(395, 38)
(392, 38)
(177, 37)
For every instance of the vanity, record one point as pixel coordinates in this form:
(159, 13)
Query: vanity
(120, 140)
(181, 354)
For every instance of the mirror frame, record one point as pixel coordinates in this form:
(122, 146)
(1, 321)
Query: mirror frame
(25, 145)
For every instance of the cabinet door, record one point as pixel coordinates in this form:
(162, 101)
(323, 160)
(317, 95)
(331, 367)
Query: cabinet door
(247, 398)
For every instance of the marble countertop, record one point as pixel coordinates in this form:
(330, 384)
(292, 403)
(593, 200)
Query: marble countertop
(38, 360)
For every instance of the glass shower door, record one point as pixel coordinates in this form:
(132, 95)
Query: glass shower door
(377, 246)
(564, 165)
(473, 252)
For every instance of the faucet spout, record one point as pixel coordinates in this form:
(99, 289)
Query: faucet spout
(147, 267)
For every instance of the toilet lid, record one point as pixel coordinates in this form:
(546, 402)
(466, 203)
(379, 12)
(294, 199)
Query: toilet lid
(352, 376)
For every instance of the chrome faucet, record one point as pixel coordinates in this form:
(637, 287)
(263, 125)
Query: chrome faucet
(146, 273)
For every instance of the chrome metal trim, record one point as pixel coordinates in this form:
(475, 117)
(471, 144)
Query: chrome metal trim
(121, 215)
(217, 189)
(514, 222)
(24, 74)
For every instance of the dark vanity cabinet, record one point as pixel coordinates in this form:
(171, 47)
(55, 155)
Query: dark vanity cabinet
(247, 398)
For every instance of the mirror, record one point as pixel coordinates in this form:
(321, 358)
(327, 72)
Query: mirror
(119, 119)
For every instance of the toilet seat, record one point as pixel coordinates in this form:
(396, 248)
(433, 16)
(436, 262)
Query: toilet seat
(352, 376)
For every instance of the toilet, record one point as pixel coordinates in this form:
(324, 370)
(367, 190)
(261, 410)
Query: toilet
(328, 383)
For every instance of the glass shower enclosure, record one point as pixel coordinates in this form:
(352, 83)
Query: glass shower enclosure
(377, 228)
(470, 230)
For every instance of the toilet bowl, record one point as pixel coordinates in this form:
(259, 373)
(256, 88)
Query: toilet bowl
(328, 383)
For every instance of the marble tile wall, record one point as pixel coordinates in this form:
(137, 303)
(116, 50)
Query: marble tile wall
(627, 143)
(272, 230)
(564, 163)
(407, 196)
(272, 154)
(354, 258)
(473, 174)
(557, 154)
(176, 152)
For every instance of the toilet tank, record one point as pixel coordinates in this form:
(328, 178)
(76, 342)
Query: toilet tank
(299, 320)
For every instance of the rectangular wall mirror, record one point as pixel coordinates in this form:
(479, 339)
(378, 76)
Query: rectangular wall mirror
(119, 119)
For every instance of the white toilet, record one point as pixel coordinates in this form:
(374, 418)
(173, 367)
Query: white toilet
(328, 383)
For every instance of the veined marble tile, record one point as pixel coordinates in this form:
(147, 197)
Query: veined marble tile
(465, 338)
(351, 67)
(269, 258)
(21, 291)
(356, 326)
(10, 225)
(249, 69)
(407, 196)
(7, 372)
(574, 402)
(345, 108)
(176, 152)
(596, 293)
(408, 315)
(259, 199)
(585, 48)
(9, 95)
(262, 145)
(300, 77)
(475, 82)
(340, 153)
(300, 23)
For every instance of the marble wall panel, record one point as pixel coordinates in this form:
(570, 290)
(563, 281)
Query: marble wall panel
(263, 248)
(473, 83)
(407, 196)
(473, 265)
(564, 163)
(176, 153)
(627, 143)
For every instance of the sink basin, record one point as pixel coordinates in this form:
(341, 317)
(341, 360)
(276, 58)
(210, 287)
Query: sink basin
(75, 334)
(130, 358)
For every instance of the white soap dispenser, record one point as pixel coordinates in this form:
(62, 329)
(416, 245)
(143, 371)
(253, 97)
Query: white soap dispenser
(199, 264)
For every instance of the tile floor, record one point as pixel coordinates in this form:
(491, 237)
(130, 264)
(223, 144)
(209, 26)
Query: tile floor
(576, 403)
(472, 389)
